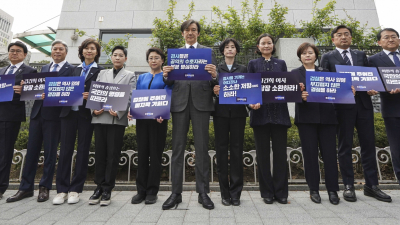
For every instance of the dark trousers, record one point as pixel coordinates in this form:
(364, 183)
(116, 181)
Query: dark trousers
(393, 132)
(46, 132)
(8, 135)
(70, 126)
(108, 143)
(151, 137)
(363, 120)
(275, 185)
(324, 136)
(229, 132)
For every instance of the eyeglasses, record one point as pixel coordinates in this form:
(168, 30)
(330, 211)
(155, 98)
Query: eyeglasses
(390, 37)
(347, 34)
(12, 51)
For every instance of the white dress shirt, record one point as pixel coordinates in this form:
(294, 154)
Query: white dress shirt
(60, 64)
(348, 54)
(18, 65)
(390, 55)
(194, 45)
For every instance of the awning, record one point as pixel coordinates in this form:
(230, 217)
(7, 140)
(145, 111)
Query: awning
(40, 40)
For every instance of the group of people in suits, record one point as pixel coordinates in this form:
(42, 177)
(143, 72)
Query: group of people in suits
(195, 101)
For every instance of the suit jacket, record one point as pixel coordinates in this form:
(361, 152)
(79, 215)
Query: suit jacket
(332, 58)
(92, 76)
(390, 103)
(15, 109)
(123, 77)
(311, 112)
(230, 110)
(50, 113)
(200, 91)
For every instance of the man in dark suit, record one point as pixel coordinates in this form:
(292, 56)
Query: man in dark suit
(12, 113)
(359, 115)
(191, 100)
(388, 39)
(44, 128)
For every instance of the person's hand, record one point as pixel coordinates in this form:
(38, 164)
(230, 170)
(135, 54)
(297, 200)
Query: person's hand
(304, 95)
(212, 69)
(113, 113)
(85, 95)
(353, 90)
(17, 89)
(98, 112)
(43, 96)
(255, 106)
(216, 89)
(302, 87)
(166, 70)
(160, 120)
(130, 117)
(372, 92)
(22, 82)
(395, 91)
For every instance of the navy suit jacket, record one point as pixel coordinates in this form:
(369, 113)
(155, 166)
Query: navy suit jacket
(50, 113)
(15, 109)
(390, 103)
(332, 58)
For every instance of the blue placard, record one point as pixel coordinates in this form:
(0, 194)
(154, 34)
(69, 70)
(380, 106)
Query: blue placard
(327, 87)
(6, 87)
(280, 87)
(151, 104)
(363, 78)
(189, 64)
(34, 84)
(240, 88)
(64, 91)
(108, 96)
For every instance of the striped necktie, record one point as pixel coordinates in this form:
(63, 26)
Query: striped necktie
(11, 71)
(395, 59)
(345, 58)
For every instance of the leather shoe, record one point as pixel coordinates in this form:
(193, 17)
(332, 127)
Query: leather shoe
(268, 200)
(333, 197)
(105, 198)
(151, 199)
(375, 192)
(314, 195)
(43, 194)
(205, 201)
(235, 202)
(281, 200)
(95, 198)
(19, 196)
(138, 198)
(349, 193)
(226, 202)
(174, 199)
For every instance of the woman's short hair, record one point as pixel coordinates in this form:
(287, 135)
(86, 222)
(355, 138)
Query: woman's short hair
(226, 42)
(120, 47)
(156, 50)
(304, 47)
(259, 39)
(84, 44)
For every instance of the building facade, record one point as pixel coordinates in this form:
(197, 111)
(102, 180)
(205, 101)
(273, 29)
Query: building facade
(6, 22)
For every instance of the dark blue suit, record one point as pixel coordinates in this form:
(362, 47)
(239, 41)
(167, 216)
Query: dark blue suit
(359, 115)
(44, 128)
(390, 107)
(11, 115)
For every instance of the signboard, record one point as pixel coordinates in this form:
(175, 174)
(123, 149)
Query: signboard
(240, 88)
(151, 104)
(189, 64)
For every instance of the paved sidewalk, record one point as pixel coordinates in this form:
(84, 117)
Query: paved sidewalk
(252, 211)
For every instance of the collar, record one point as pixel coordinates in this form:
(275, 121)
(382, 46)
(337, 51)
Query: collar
(388, 52)
(194, 45)
(93, 65)
(341, 50)
(18, 65)
(117, 71)
(60, 64)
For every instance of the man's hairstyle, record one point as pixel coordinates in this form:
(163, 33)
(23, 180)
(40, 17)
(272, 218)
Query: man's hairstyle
(226, 42)
(156, 50)
(84, 44)
(59, 42)
(259, 39)
(19, 44)
(304, 47)
(335, 30)
(121, 48)
(187, 23)
(379, 35)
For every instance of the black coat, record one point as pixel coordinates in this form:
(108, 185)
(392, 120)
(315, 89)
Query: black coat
(312, 112)
(230, 110)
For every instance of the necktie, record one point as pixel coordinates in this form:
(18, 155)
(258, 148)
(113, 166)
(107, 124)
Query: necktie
(11, 71)
(345, 58)
(191, 47)
(395, 59)
(55, 68)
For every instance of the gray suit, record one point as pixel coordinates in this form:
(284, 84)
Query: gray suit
(191, 100)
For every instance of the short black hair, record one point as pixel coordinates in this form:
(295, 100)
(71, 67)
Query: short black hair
(226, 42)
(379, 35)
(84, 44)
(122, 48)
(259, 39)
(335, 30)
(187, 23)
(19, 44)
(156, 50)
(304, 47)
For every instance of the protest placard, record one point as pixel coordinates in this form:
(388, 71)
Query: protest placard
(34, 85)
(151, 104)
(280, 87)
(240, 88)
(363, 78)
(108, 96)
(6, 87)
(64, 91)
(189, 64)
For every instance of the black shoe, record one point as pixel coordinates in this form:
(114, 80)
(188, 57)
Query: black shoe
(281, 200)
(95, 198)
(205, 201)
(138, 198)
(235, 202)
(349, 193)
(19, 196)
(333, 197)
(314, 195)
(375, 192)
(226, 202)
(268, 200)
(151, 199)
(43, 194)
(105, 198)
(174, 199)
